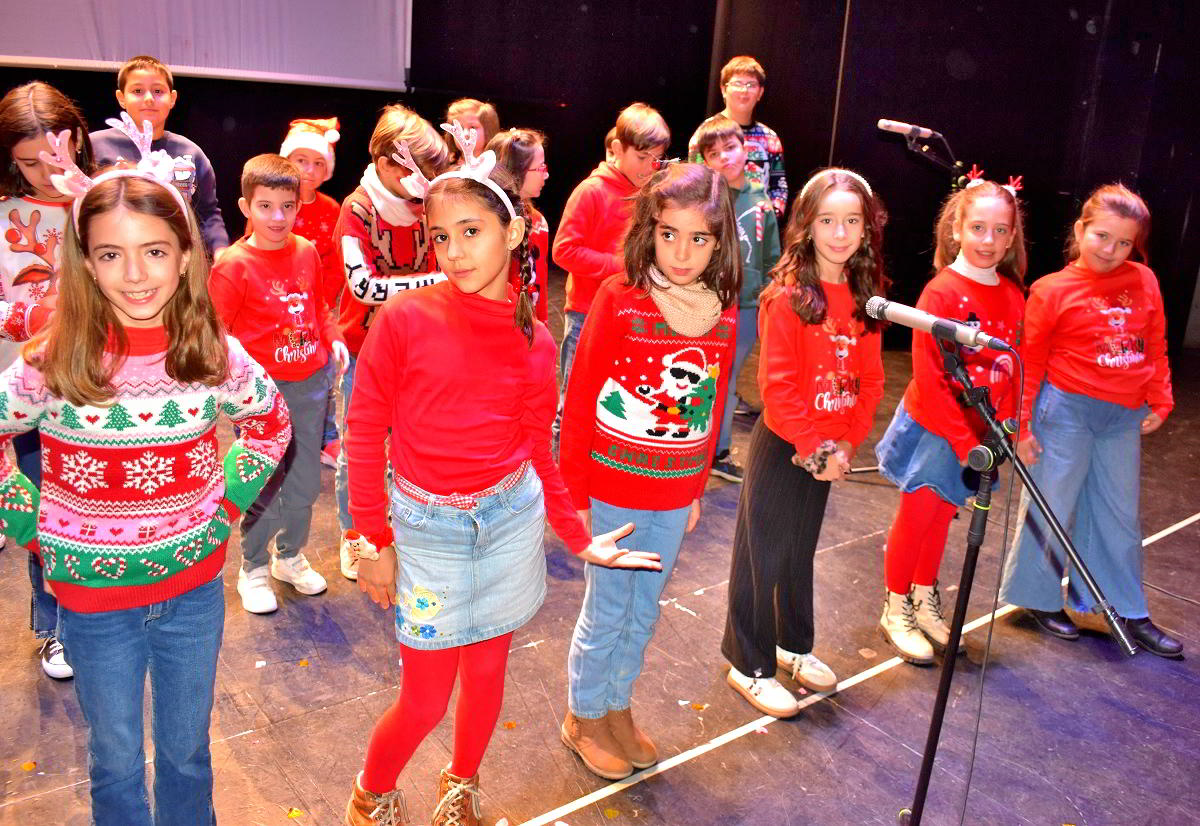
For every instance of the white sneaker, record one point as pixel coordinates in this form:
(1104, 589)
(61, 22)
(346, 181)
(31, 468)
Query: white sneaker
(255, 590)
(349, 562)
(54, 660)
(296, 571)
(899, 627)
(807, 670)
(764, 693)
(927, 603)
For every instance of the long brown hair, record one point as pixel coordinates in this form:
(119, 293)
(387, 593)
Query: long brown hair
(70, 352)
(686, 186)
(1121, 201)
(1014, 263)
(798, 268)
(514, 150)
(30, 111)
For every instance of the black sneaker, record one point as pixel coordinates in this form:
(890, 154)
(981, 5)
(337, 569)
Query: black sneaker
(744, 409)
(724, 467)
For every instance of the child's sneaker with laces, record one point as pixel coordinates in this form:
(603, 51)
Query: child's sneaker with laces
(766, 694)
(54, 660)
(296, 571)
(807, 670)
(724, 467)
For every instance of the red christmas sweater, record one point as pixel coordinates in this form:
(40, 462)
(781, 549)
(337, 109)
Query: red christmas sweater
(378, 260)
(452, 384)
(931, 398)
(1098, 334)
(818, 381)
(315, 221)
(590, 240)
(539, 250)
(271, 301)
(644, 404)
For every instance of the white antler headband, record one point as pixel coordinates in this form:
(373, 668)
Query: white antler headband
(157, 166)
(473, 169)
(846, 172)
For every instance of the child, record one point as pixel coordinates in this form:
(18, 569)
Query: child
(1096, 363)
(722, 145)
(478, 376)
(135, 505)
(33, 220)
(637, 441)
(821, 375)
(267, 292)
(980, 264)
(596, 217)
(146, 90)
(383, 248)
(472, 114)
(522, 154)
(743, 81)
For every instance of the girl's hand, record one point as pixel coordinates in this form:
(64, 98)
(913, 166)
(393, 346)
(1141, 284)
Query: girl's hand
(377, 577)
(693, 517)
(604, 551)
(1029, 448)
(834, 470)
(846, 450)
(1151, 423)
(586, 516)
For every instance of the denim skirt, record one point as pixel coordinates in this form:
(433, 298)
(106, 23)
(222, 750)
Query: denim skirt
(468, 574)
(912, 457)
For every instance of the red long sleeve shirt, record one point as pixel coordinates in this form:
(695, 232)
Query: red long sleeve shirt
(1098, 334)
(316, 221)
(931, 398)
(462, 398)
(590, 241)
(818, 381)
(644, 404)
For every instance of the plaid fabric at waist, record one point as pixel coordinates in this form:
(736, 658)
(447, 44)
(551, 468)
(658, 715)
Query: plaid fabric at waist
(465, 501)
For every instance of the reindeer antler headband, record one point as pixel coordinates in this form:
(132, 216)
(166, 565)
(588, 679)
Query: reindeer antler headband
(157, 166)
(846, 172)
(473, 169)
(975, 178)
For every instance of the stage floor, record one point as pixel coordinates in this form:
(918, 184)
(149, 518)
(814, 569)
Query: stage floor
(1071, 733)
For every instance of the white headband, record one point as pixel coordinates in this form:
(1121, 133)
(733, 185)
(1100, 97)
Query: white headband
(847, 172)
(472, 169)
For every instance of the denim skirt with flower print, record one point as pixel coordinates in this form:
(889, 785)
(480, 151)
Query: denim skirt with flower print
(466, 575)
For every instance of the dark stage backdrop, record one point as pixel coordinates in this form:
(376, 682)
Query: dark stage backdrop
(1067, 95)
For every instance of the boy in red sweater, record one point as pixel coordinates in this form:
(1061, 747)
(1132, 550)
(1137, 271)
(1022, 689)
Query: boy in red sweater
(267, 291)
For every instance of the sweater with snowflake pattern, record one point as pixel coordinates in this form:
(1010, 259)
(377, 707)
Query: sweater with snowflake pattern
(135, 505)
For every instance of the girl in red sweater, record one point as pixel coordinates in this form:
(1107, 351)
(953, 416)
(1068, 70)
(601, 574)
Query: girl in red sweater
(472, 482)
(821, 377)
(522, 154)
(638, 434)
(980, 263)
(1096, 363)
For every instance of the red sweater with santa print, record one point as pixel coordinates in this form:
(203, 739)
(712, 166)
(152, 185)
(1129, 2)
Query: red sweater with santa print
(818, 381)
(461, 398)
(590, 241)
(644, 403)
(378, 260)
(1101, 335)
(539, 251)
(271, 301)
(931, 398)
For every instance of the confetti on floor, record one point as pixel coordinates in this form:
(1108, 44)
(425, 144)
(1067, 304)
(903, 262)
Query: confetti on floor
(294, 813)
(683, 703)
(699, 706)
(611, 813)
(302, 663)
(867, 653)
(28, 765)
(510, 725)
(259, 663)
(760, 730)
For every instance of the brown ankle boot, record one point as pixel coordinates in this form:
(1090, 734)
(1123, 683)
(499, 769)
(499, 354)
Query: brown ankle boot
(597, 748)
(369, 809)
(633, 741)
(458, 801)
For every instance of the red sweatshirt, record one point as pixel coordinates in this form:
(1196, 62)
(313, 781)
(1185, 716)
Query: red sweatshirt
(316, 221)
(1098, 334)
(590, 241)
(270, 301)
(818, 381)
(539, 251)
(466, 401)
(644, 404)
(931, 398)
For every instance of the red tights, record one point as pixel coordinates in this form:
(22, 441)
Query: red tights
(917, 540)
(424, 695)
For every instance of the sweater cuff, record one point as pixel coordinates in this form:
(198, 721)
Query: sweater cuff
(232, 511)
(381, 539)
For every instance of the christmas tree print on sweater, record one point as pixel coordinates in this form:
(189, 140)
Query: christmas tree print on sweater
(677, 410)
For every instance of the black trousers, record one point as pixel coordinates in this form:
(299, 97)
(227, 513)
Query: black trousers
(771, 577)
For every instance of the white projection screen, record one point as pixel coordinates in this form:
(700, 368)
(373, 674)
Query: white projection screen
(360, 43)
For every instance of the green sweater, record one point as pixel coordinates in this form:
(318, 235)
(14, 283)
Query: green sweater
(758, 234)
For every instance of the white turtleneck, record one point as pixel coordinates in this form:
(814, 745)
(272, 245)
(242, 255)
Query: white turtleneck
(983, 275)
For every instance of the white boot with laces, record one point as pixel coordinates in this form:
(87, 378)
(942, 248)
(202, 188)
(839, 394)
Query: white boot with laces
(899, 627)
(927, 604)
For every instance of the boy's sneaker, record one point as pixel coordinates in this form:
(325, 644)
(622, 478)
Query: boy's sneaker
(724, 467)
(764, 693)
(254, 587)
(329, 453)
(296, 571)
(348, 562)
(54, 660)
(807, 670)
(744, 409)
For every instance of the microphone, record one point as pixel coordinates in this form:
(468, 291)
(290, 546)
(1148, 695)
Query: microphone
(902, 128)
(943, 328)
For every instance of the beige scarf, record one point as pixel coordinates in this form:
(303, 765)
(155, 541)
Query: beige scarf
(690, 311)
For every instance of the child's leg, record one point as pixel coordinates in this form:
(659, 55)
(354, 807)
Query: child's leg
(424, 693)
(917, 540)
(306, 402)
(480, 695)
(341, 478)
(747, 334)
(607, 601)
(185, 638)
(331, 431)
(794, 603)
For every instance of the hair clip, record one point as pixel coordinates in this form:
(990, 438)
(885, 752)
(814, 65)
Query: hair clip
(848, 172)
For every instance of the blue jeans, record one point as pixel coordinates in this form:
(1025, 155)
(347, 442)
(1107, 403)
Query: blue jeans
(43, 607)
(619, 611)
(572, 325)
(1089, 472)
(747, 334)
(177, 641)
(341, 478)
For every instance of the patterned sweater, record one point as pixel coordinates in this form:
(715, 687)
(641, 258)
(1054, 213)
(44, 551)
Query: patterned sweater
(136, 506)
(29, 255)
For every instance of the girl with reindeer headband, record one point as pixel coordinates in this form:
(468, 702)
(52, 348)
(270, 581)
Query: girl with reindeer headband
(980, 272)
(136, 506)
(1097, 380)
(455, 543)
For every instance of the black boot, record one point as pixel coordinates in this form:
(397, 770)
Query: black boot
(1153, 639)
(1056, 623)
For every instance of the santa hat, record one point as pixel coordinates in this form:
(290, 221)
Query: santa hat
(692, 358)
(317, 134)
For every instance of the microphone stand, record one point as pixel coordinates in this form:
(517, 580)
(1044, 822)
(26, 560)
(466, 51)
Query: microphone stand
(955, 167)
(984, 458)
